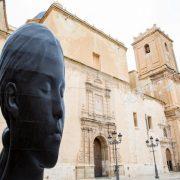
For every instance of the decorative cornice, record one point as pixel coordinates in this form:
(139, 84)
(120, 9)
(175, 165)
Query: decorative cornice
(149, 32)
(166, 73)
(103, 73)
(60, 8)
(153, 98)
(92, 120)
(158, 70)
(167, 141)
(171, 111)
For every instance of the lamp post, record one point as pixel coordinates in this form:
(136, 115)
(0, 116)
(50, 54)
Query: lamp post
(152, 144)
(115, 139)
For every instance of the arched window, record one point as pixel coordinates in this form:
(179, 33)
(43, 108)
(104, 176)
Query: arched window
(147, 48)
(166, 47)
(165, 132)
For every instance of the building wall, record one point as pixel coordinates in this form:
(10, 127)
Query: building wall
(79, 42)
(134, 157)
(163, 77)
(174, 123)
(111, 81)
(177, 89)
(167, 54)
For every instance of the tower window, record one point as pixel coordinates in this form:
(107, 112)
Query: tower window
(135, 119)
(147, 48)
(166, 47)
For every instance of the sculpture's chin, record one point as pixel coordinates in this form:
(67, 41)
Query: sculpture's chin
(49, 156)
(47, 159)
(52, 158)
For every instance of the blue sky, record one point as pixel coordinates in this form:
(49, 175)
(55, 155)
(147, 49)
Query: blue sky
(122, 19)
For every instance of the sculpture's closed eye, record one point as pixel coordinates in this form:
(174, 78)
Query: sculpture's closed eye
(45, 88)
(62, 93)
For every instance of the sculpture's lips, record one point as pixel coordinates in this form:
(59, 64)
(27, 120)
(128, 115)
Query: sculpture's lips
(57, 136)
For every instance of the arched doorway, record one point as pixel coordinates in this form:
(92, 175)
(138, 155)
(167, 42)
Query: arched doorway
(169, 160)
(100, 157)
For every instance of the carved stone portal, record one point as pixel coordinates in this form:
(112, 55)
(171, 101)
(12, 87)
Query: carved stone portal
(95, 158)
(90, 164)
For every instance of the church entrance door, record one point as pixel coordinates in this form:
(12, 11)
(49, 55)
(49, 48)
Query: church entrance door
(169, 160)
(97, 158)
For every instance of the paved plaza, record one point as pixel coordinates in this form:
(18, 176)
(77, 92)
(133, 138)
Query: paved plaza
(168, 176)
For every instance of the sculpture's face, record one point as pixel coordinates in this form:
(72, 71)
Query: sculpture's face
(41, 112)
(32, 88)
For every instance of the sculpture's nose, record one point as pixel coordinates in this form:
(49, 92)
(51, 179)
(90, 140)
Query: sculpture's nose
(58, 108)
(59, 115)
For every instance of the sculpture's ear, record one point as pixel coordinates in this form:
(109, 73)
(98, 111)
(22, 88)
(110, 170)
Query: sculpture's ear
(10, 96)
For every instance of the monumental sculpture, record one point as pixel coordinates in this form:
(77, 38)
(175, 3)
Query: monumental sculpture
(32, 82)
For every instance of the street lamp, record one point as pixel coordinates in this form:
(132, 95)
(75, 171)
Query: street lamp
(115, 139)
(152, 144)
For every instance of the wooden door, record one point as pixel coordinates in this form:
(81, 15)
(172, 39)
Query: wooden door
(169, 160)
(97, 158)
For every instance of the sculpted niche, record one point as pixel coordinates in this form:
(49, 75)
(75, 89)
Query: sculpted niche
(31, 97)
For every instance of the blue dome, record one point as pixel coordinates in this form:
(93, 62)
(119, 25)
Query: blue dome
(40, 15)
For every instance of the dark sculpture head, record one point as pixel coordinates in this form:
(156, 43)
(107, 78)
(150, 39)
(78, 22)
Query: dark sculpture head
(32, 87)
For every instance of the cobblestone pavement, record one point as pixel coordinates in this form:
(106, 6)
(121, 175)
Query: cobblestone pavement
(169, 176)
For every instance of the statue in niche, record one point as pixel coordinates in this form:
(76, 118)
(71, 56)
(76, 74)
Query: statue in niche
(32, 82)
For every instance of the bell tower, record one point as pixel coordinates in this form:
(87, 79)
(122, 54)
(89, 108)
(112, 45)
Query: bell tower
(158, 71)
(154, 52)
(156, 65)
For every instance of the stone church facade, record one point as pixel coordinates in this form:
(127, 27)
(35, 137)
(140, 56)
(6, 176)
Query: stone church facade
(102, 96)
